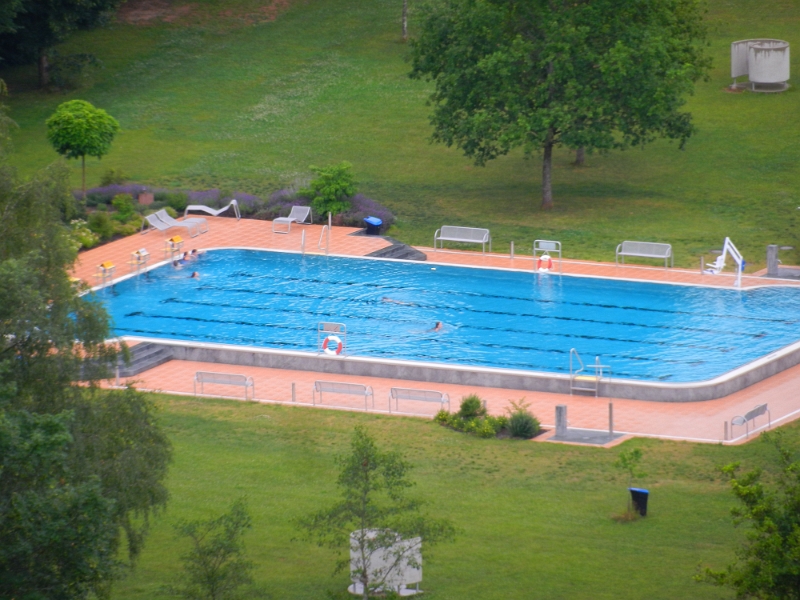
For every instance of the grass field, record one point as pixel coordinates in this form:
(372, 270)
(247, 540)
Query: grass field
(213, 101)
(535, 519)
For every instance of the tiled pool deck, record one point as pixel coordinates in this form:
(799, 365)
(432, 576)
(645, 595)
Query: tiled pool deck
(694, 421)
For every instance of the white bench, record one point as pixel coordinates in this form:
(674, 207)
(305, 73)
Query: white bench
(645, 250)
(244, 381)
(335, 387)
(468, 235)
(398, 394)
(750, 417)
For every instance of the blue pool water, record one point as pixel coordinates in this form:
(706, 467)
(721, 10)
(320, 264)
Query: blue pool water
(491, 318)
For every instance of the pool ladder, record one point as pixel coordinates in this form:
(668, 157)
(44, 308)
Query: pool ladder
(325, 233)
(581, 380)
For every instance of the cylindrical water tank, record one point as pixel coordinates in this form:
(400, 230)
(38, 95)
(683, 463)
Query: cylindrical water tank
(768, 61)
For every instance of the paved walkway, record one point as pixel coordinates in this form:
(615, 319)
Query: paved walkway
(697, 421)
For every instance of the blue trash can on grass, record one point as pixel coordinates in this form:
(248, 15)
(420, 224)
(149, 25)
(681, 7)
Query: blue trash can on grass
(373, 225)
(639, 499)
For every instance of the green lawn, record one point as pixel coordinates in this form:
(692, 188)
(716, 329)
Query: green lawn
(209, 104)
(535, 518)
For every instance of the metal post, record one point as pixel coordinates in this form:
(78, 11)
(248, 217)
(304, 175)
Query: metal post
(561, 419)
(610, 419)
(294, 398)
(328, 238)
(702, 265)
(117, 373)
(512, 249)
(303, 242)
(726, 437)
(772, 260)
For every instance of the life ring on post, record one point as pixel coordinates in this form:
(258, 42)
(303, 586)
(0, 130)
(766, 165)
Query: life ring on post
(329, 343)
(544, 264)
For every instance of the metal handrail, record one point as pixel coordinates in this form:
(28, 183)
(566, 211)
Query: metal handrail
(322, 235)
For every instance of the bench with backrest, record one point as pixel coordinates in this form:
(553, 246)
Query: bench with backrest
(750, 417)
(244, 381)
(337, 387)
(646, 250)
(467, 235)
(398, 394)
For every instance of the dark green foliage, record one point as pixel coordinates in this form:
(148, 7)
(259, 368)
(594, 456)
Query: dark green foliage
(521, 422)
(471, 407)
(126, 209)
(57, 535)
(485, 427)
(215, 567)
(70, 71)
(331, 189)
(374, 507)
(177, 201)
(537, 74)
(100, 223)
(768, 563)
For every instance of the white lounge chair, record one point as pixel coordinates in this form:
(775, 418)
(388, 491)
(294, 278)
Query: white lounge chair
(299, 215)
(199, 222)
(215, 212)
(156, 222)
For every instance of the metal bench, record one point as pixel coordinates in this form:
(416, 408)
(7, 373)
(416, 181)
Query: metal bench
(468, 235)
(751, 417)
(398, 394)
(335, 387)
(202, 377)
(645, 250)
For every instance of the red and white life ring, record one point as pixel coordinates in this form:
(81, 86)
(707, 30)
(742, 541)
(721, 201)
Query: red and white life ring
(332, 340)
(544, 264)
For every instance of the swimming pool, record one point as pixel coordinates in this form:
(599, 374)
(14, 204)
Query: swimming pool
(491, 318)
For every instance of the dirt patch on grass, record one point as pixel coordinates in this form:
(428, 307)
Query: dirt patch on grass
(151, 12)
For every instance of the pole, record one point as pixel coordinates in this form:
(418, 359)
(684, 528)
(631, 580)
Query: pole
(328, 239)
(726, 431)
(610, 419)
(702, 265)
(303, 242)
(294, 397)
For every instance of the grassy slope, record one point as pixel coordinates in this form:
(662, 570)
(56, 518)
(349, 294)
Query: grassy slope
(534, 518)
(251, 107)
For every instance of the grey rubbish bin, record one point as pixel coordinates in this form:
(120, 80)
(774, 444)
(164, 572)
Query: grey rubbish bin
(639, 499)
(373, 225)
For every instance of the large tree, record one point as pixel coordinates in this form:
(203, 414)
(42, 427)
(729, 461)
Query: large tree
(536, 74)
(108, 456)
(30, 29)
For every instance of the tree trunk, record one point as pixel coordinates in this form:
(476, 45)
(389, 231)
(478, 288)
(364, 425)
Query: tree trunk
(83, 177)
(547, 167)
(44, 68)
(580, 156)
(405, 20)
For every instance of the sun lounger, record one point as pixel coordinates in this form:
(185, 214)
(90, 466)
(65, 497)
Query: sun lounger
(215, 212)
(156, 223)
(199, 222)
(299, 214)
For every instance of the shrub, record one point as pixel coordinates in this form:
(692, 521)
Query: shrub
(471, 407)
(521, 422)
(362, 207)
(331, 189)
(125, 207)
(485, 426)
(113, 177)
(82, 235)
(100, 223)
(177, 201)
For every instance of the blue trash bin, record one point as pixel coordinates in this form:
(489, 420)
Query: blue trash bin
(373, 225)
(639, 499)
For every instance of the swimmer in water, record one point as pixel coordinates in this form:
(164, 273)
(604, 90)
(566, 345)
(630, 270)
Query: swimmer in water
(437, 327)
(176, 264)
(195, 275)
(392, 301)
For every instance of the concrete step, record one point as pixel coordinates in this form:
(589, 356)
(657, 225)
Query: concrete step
(145, 356)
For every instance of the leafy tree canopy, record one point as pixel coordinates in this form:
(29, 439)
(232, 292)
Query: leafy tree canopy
(535, 74)
(768, 563)
(375, 509)
(77, 130)
(330, 191)
(29, 29)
